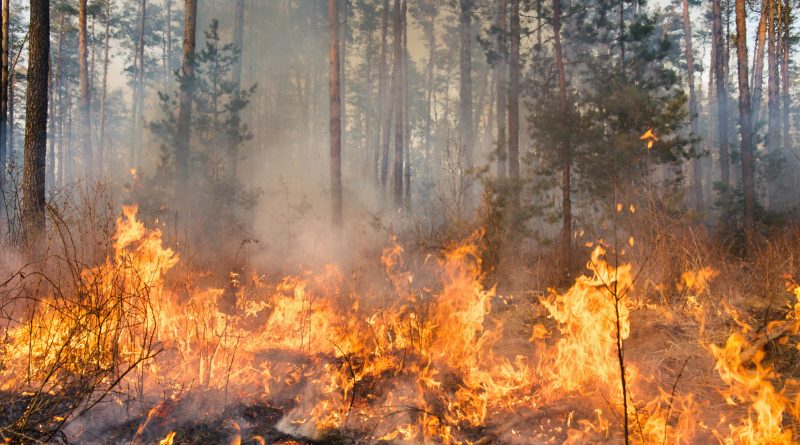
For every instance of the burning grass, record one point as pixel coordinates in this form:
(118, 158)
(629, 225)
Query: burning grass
(426, 354)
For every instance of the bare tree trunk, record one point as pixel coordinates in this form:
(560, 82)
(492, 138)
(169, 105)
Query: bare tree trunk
(186, 97)
(697, 173)
(139, 84)
(397, 93)
(33, 182)
(758, 63)
(406, 117)
(50, 156)
(11, 152)
(711, 114)
(500, 79)
(342, 29)
(466, 132)
(748, 183)
(367, 112)
(70, 153)
(169, 44)
(92, 53)
(233, 144)
(61, 96)
(773, 106)
(138, 68)
(101, 149)
(52, 86)
(4, 76)
(621, 39)
(513, 93)
(335, 118)
(785, 96)
(566, 149)
(385, 101)
(430, 31)
(722, 95)
(85, 100)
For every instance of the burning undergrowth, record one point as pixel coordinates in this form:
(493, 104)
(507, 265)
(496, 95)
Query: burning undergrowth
(134, 354)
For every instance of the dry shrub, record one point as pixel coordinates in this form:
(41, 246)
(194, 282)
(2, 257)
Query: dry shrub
(75, 324)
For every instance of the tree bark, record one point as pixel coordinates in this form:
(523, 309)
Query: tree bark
(4, 76)
(33, 182)
(367, 111)
(335, 114)
(748, 183)
(500, 79)
(55, 92)
(101, 149)
(785, 84)
(621, 38)
(722, 97)
(60, 96)
(513, 93)
(397, 94)
(758, 63)
(233, 144)
(566, 149)
(430, 31)
(138, 117)
(85, 100)
(697, 173)
(406, 117)
(169, 44)
(342, 29)
(186, 96)
(773, 106)
(466, 131)
(386, 102)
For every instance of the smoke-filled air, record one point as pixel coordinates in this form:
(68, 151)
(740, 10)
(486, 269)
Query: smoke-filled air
(398, 222)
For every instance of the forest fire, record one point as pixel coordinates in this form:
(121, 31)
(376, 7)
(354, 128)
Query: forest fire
(397, 222)
(402, 362)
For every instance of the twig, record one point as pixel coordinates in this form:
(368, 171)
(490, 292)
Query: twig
(671, 396)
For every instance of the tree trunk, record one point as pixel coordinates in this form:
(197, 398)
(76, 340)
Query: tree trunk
(748, 174)
(186, 98)
(758, 63)
(397, 93)
(60, 96)
(621, 38)
(367, 111)
(85, 101)
(335, 118)
(513, 93)
(92, 53)
(785, 96)
(697, 173)
(406, 117)
(33, 182)
(385, 100)
(773, 107)
(233, 144)
(466, 133)
(11, 153)
(566, 149)
(500, 79)
(169, 44)
(342, 29)
(138, 119)
(52, 88)
(101, 149)
(430, 31)
(722, 97)
(4, 76)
